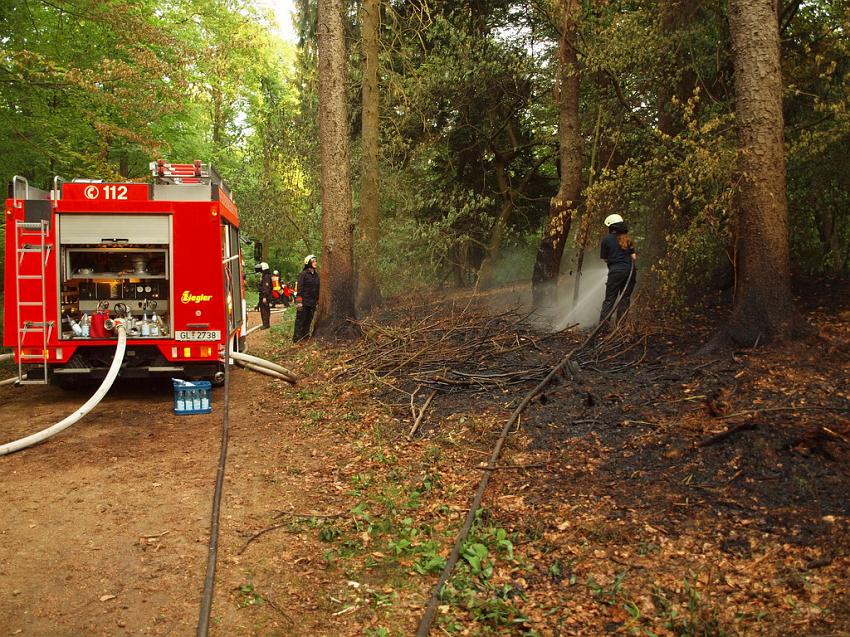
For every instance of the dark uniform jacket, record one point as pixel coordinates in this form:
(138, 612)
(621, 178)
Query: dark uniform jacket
(266, 285)
(612, 253)
(308, 288)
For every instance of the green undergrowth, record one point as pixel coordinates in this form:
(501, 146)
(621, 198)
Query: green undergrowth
(284, 327)
(397, 536)
(484, 590)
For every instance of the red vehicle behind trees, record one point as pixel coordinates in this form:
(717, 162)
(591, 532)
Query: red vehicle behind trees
(161, 257)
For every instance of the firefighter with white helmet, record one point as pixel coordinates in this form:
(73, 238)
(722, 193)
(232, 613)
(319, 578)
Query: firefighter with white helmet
(618, 251)
(265, 290)
(612, 219)
(306, 297)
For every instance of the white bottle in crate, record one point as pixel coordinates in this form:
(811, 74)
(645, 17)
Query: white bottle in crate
(196, 399)
(181, 400)
(75, 327)
(205, 399)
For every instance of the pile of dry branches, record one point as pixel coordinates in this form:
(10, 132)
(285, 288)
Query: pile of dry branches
(447, 348)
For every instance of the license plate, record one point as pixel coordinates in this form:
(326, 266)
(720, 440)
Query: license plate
(198, 335)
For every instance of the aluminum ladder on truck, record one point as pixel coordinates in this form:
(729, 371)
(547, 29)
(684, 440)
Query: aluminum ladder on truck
(31, 239)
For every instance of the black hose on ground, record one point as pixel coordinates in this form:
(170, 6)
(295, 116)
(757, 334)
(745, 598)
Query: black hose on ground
(212, 552)
(431, 610)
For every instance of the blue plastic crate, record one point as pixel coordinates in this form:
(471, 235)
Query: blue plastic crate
(192, 397)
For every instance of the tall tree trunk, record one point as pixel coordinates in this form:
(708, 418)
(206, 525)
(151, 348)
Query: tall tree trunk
(336, 298)
(369, 291)
(497, 233)
(562, 207)
(763, 304)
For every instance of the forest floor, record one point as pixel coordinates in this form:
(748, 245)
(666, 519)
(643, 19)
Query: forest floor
(650, 492)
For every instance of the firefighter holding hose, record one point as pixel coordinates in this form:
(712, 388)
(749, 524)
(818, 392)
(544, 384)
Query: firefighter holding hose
(618, 251)
(265, 295)
(306, 298)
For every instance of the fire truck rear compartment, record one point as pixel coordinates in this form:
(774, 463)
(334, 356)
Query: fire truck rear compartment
(111, 260)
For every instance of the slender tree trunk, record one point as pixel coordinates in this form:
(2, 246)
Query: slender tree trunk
(458, 265)
(763, 306)
(369, 291)
(830, 238)
(674, 15)
(562, 207)
(124, 164)
(217, 117)
(497, 233)
(336, 299)
(584, 222)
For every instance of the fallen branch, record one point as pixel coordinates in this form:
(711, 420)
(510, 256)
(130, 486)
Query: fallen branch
(818, 563)
(421, 414)
(617, 560)
(829, 432)
(752, 412)
(260, 533)
(744, 426)
(274, 527)
(520, 467)
(272, 604)
(155, 535)
(280, 514)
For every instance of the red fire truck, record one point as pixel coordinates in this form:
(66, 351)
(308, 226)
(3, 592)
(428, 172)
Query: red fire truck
(162, 258)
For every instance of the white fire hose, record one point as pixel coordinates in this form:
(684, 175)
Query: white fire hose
(90, 404)
(264, 370)
(262, 365)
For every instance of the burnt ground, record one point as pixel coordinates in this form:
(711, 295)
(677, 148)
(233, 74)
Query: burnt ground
(653, 492)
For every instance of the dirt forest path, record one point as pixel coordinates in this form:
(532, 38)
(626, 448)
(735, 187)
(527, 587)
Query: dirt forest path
(105, 526)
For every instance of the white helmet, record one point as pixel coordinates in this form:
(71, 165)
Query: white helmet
(276, 272)
(612, 219)
(264, 266)
(309, 258)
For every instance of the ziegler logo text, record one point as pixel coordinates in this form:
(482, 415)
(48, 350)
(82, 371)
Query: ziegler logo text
(188, 297)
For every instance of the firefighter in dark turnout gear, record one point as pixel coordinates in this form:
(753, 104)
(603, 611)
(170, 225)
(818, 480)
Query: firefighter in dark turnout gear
(265, 295)
(618, 251)
(306, 298)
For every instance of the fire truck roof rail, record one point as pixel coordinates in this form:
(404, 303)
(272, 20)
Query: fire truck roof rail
(20, 186)
(195, 173)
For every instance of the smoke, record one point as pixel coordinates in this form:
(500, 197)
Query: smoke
(584, 311)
